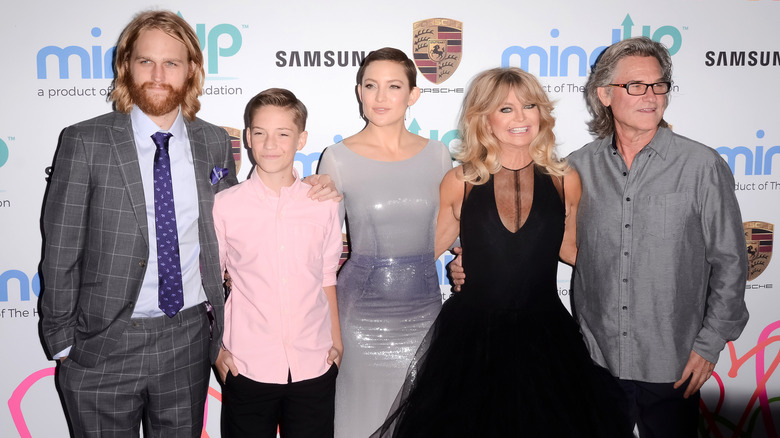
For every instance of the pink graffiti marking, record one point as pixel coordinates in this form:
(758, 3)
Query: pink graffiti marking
(722, 391)
(762, 397)
(762, 376)
(15, 402)
(217, 395)
(708, 417)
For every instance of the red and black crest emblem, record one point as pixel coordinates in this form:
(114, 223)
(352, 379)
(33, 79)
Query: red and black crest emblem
(438, 46)
(758, 236)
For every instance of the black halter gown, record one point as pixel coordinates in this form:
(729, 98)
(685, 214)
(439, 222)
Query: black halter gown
(504, 358)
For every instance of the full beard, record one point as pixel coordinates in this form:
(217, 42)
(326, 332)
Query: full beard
(156, 105)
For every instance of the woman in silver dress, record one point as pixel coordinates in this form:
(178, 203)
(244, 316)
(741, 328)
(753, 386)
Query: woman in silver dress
(388, 290)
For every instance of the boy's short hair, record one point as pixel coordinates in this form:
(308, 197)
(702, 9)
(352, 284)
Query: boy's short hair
(277, 97)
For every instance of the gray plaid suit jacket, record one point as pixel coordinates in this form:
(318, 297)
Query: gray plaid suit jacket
(96, 240)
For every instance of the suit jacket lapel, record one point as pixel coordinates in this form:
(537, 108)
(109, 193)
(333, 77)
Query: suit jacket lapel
(200, 158)
(123, 139)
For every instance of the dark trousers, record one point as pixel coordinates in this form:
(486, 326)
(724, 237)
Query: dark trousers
(660, 411)
(158, 375)
(302, 409)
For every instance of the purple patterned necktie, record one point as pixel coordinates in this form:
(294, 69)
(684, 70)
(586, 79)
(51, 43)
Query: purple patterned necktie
(171, 293)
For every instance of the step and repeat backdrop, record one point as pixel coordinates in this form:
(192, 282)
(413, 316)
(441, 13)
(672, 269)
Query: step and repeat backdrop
(57, 71)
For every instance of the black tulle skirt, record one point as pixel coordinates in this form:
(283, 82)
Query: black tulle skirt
(487, 372)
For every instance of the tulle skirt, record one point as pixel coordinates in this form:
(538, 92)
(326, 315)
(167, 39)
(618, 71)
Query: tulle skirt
(491, 372)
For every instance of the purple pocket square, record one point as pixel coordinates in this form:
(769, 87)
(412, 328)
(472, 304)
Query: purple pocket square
(217, 173)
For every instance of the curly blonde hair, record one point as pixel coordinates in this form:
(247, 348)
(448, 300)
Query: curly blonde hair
(177, 28)
(479, 150)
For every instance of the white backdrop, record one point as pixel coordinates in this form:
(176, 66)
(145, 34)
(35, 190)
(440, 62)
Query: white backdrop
(726, 58)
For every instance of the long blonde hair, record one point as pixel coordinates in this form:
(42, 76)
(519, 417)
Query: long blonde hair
(177, 28)
(479, 150)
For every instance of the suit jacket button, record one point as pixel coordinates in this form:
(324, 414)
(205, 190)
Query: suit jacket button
(142, 263)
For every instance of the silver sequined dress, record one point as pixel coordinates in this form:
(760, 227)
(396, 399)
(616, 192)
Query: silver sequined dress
(388, 290)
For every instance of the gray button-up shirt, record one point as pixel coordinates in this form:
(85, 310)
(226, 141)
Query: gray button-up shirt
(662, 262)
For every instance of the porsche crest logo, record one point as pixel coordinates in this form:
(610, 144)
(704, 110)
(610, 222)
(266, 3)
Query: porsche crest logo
(437, 47)
(758, 236)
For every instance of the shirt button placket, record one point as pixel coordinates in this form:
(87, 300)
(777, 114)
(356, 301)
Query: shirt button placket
(625, 273)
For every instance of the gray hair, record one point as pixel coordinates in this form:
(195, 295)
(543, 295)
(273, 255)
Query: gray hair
(603, 73)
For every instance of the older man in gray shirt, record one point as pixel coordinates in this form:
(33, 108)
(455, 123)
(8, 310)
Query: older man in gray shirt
(660, 277)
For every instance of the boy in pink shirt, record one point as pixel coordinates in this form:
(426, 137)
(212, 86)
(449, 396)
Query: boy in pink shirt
(282, 341)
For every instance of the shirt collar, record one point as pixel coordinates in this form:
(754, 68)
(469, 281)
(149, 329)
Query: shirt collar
(660, 143)
(263, 191)
(145, 127)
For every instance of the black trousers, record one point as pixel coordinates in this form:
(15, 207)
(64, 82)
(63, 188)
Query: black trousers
(660, 411)
(302, 409)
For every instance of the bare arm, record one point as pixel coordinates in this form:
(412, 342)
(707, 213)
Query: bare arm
(337, 351)
(450, 202)
(332, 251)
(572, 187)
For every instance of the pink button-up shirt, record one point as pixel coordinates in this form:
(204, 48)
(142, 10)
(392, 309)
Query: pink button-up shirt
(280, 252)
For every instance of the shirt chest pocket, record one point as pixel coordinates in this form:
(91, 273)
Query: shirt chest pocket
(663, 216)
(304, 240)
